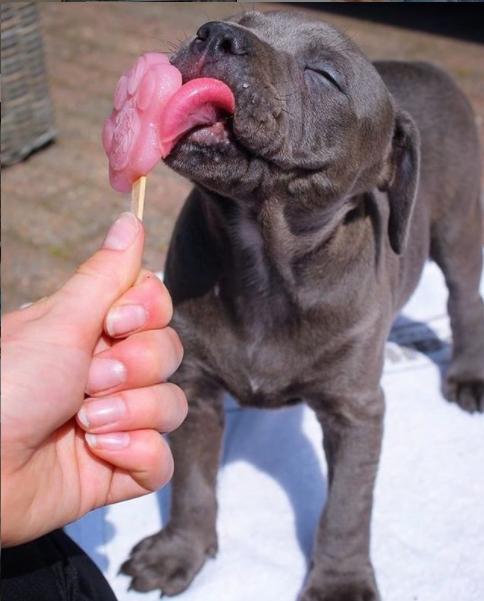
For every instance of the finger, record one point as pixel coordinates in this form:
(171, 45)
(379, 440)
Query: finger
(102, 344)
(162, 408)
(142, 455)
(145, 306)
(99, 282)
(143, 359)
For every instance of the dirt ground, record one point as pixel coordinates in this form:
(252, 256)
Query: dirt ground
(58, 204)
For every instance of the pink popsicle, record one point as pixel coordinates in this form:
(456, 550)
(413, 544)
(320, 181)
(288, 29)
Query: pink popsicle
(130, 134)
(152, 111)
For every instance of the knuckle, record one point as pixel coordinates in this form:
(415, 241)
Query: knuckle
(158, 352)
(165, 351)
(181, 399)
(161, 298)
(160, 461)
(176, 343)
(166, 303)
(172, 407)
(169, 464)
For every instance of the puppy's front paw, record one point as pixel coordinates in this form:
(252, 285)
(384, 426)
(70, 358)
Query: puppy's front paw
(347, 592)
(168, 561)
(468, 393)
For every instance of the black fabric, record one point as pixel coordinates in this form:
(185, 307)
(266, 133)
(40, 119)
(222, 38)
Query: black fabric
(52, 568)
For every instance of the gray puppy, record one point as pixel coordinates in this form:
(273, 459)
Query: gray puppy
(305, 234)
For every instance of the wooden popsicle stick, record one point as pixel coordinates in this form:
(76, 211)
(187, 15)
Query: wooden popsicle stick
(138, 197)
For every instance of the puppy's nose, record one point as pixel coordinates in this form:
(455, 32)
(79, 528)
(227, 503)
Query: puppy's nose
(222, 38)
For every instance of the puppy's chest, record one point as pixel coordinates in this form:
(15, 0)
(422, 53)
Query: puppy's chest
(263, 371)
(258, 364)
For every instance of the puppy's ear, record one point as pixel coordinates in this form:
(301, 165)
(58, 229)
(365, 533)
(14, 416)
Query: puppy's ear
(402, 176)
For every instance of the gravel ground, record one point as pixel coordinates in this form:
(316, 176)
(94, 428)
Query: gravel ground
(58, 204)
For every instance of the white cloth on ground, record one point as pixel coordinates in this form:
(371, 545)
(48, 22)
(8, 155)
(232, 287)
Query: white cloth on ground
(428, 526)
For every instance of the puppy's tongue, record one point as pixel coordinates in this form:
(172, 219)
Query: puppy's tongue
(152, 111)
(201, 101)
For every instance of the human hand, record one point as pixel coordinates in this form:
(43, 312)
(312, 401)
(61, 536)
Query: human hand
(84, 398)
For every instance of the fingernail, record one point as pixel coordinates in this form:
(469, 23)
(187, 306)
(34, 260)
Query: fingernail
(108, 442)
(104, 374)
(125, 319)
(122, 232)
(101, 412)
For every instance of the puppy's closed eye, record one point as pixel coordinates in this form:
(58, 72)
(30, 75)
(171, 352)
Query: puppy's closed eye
(328, 74)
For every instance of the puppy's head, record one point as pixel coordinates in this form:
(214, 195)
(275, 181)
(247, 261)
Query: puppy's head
(314, 125)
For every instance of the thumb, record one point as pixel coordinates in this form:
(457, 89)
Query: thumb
(82, 303)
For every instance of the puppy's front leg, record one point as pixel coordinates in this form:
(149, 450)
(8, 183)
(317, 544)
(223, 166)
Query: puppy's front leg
(341, 568)
(171, 559)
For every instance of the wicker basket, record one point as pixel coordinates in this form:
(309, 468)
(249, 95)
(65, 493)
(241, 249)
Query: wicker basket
(27, 116)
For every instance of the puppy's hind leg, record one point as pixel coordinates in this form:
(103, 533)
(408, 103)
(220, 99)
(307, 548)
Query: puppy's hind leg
(457, 249)
(170, 559)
